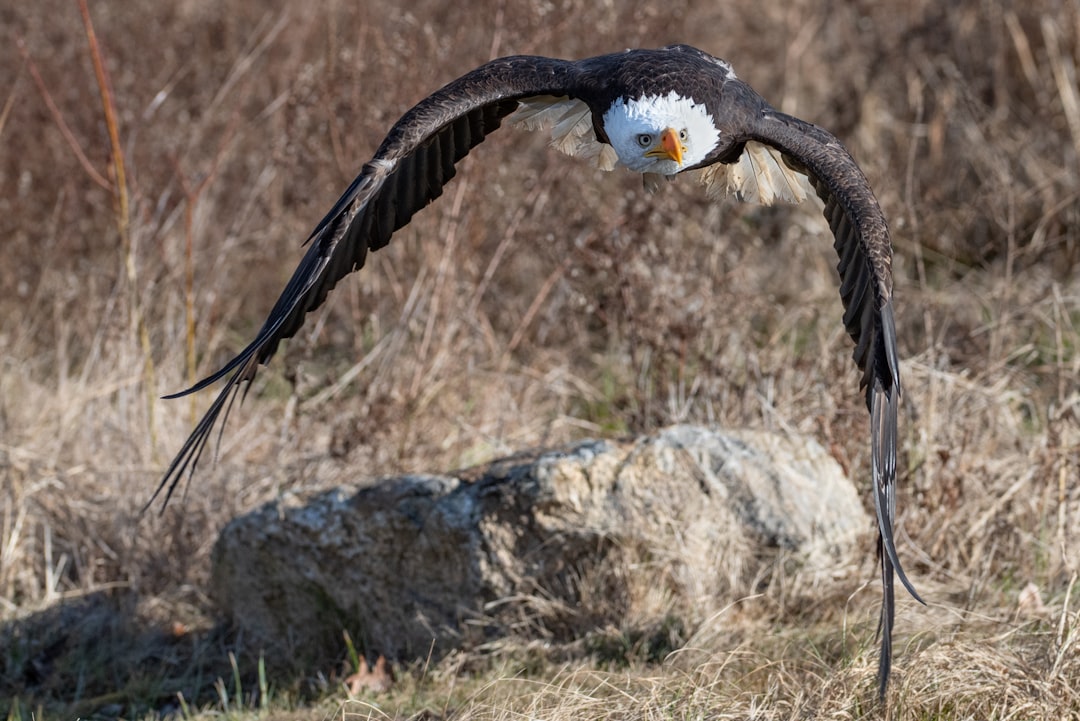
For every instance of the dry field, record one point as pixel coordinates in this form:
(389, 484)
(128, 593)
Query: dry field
(538, 301)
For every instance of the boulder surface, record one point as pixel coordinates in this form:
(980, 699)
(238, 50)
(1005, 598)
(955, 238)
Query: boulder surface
(548, 545)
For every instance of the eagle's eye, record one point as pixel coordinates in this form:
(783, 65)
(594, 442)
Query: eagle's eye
(644, 140)
(683, 135)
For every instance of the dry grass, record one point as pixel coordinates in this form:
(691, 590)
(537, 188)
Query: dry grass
(485, 328)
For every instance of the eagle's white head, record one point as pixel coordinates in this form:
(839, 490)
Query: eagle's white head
(660, 133)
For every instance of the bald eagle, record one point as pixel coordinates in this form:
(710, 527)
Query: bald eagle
(656, 112)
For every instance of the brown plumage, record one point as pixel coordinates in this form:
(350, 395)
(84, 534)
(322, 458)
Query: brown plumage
(751, 149)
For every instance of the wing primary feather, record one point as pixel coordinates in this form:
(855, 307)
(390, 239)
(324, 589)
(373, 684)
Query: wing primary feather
(848, 282)
(854, 295)
(888, 619)
(190, 453)
(448, 160)
(476, 125)
(406, 188)
(847, 248)
(462, 133)
(883, 426)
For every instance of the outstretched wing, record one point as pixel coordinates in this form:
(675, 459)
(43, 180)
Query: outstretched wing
(408, 171)
(770, 153)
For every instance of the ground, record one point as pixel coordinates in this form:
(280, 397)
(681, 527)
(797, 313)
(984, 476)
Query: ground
(539, 301)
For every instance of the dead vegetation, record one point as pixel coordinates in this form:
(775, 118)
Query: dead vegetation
(537, 302)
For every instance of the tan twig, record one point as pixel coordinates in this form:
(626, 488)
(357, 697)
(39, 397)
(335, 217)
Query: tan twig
(122, 215)
(59, 119)
(192, 194)
(10, 102)
(1065, 78)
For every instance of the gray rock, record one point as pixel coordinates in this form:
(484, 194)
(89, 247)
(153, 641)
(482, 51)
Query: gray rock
(548, 545)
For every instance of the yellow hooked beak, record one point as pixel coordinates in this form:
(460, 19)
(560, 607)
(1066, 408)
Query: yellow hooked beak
(670, 146)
